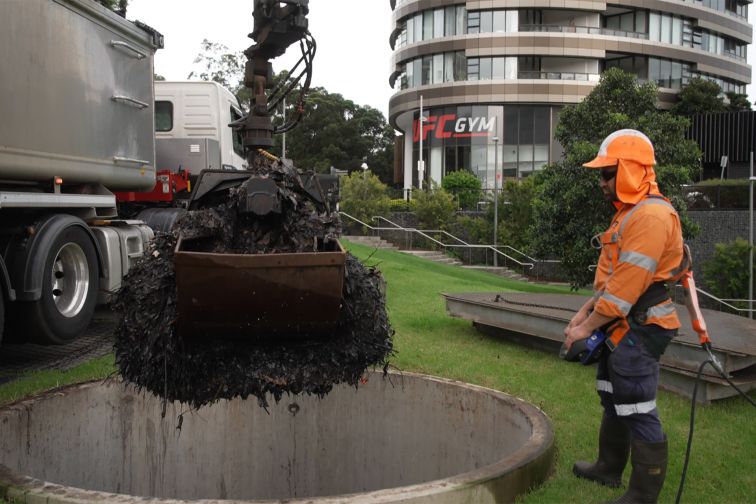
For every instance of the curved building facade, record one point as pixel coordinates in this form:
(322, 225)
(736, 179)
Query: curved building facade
(492, 75)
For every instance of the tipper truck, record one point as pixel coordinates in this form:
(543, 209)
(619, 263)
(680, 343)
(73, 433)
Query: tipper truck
(78, 158)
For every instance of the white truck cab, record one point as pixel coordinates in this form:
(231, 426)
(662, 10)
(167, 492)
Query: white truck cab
(192, 127)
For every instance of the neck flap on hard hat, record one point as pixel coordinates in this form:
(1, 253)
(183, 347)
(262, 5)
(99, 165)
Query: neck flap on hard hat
(635, 181)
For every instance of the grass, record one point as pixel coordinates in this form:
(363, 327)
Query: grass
(723, 465)
(45, 380)
(723, 459)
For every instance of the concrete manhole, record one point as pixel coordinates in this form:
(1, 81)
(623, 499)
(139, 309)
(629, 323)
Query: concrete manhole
(404, 438)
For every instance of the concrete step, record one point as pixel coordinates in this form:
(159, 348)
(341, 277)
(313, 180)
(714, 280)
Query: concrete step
(435, 256)
(501, 271)
(371, 241)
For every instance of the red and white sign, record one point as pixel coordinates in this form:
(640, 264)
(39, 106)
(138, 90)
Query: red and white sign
(451, 126)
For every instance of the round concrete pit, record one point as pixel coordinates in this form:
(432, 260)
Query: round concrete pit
(404, 438)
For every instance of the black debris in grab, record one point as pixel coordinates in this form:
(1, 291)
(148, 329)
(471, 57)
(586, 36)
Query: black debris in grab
(200, 371)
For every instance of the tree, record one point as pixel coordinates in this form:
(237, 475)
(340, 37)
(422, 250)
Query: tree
(699, 96)
(464, 186)
(217, 63)
(567, 207)
(434, 207)
(117, 5)
(363, 196)
(738, 102)
(337, 132)
(333, 131)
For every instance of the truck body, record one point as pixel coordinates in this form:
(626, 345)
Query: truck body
(79, 112)
(191, 113)
(77, 95)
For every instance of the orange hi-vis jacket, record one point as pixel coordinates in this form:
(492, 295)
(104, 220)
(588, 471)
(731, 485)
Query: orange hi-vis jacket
(642, 246)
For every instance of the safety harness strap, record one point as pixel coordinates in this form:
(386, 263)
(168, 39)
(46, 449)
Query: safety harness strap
(656, 292)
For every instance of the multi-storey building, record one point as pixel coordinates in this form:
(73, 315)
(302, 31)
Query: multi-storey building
(492, 75)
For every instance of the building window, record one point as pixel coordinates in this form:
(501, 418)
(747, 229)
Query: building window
(499, 21)
(438, 23)
(531, 17)
(236, 134)
(418, 21)
(163, 116)
(461, 19)
(473, 22)
(427, 62)
(460, 66)
(427, 25)
(438, 68)
(485, 69)
(473, 69)
(493, 21)
(450, 25)
(486, 21)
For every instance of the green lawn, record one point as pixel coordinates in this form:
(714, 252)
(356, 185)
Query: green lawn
(723, 464)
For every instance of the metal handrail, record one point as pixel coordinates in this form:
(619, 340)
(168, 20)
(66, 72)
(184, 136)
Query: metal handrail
(545, 74)
(728, 305)
(441, 244)
(590, 30)
(464, 243)
(378, 217)
(520, 252)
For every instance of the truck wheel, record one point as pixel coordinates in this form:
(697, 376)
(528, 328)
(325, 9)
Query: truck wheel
(69, 290)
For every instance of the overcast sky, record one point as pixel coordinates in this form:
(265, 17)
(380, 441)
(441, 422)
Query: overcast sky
(353, 55)
(353, 52)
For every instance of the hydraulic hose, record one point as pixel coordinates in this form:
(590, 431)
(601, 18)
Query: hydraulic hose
(715, 364)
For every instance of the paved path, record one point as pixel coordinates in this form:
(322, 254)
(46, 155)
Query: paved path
(18, 360)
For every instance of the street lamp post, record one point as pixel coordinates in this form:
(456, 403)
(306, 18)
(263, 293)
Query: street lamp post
(751, 179)
(364, 167)
(421, 163)
(496, 199)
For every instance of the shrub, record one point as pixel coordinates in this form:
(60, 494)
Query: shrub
(726, 274)
(465, 187)
(363, 196)
(516, 212)
(402, 205)
(475, 230)
(434, 207)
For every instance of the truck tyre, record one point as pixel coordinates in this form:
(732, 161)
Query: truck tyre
(70, 284)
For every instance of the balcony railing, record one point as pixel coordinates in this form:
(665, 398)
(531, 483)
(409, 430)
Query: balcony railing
(571, 76)
(733, 56)
(590, 30)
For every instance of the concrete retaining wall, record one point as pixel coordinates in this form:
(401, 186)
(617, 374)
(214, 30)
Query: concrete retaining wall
(717, 226)
(440, 441)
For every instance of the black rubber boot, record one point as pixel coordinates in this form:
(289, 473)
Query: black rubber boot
(614, 449)
(649, 461)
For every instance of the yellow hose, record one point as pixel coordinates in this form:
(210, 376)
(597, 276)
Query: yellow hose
(267, 154)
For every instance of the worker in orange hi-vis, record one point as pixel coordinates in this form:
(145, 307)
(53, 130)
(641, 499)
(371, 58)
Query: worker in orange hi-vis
(640, 252)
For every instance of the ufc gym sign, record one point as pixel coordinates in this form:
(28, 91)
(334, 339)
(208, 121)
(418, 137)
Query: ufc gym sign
(451, 126)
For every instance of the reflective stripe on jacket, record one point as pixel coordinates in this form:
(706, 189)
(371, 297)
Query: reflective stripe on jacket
(643, 245)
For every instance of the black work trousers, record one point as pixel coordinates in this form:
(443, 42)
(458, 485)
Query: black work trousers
(627, 379)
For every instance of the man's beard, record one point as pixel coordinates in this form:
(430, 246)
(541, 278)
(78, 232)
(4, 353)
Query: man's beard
(609, 195)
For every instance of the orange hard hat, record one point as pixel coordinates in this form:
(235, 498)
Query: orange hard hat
(626, 145)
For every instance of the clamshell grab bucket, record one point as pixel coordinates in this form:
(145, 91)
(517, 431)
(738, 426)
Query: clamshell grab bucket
(258, 295)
